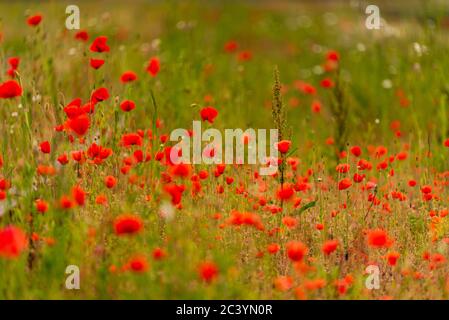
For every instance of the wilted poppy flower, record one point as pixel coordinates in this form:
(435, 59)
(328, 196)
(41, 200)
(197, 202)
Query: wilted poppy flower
(12, 242)
(127, 224)
(208, 114)
(10, 89)
(99, 44)
(153, 66)
(208, 271)
(34, 20)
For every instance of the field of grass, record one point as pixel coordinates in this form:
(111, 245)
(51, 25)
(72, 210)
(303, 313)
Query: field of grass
(89, 182)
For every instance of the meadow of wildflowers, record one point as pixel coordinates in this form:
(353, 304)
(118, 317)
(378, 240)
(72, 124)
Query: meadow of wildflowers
(93, 204)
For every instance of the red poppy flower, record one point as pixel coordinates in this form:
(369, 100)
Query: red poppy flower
(245, 56)
(41, 206)
(99, 44)
(329, 246)
(10, 89)
(153, 66)
(138, 264)
(127, 224)
(290, 222)
(296, 250)
(14, 62)
(283, 283)
(378, 238)
(286, 192)
(12, 242)
(34, 20)
(79, 195)
(45, 147)
(99, 95)
(358, 177)
(230, 46)
(96, 63)
(175, 192)
(208, 114)
(127, 105)
(283, 146)
(392, 258)
(82, 35)
(426, 189)
(356, 151)
(344, 184)
(110, 182)
(273, 248)
(316, 106)
(131, 139)
(159, 254)
(343, 167)
(63, 159)
(208, 271)
(327, 83)
(333, 55)
(128, 76)
(73, 109)
(80, 124)
(181, 170)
